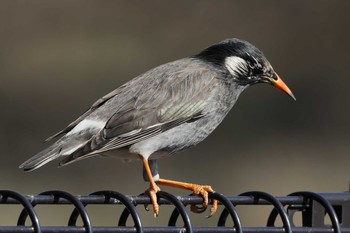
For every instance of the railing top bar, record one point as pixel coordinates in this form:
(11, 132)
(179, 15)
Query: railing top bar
(312, 206)
(236, 200)
(166, 229)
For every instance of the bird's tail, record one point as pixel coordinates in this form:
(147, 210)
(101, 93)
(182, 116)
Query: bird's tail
(43, 157)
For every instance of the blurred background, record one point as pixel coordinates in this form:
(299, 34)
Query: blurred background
(58, 57)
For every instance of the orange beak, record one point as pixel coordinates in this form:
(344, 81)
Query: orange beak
(281, 85)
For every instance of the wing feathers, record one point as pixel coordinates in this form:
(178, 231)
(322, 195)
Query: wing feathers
(95, 105)
(156, 101)
(41, 158)
(125, 140)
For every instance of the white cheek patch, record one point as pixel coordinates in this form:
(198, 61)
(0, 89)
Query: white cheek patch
(236, 65)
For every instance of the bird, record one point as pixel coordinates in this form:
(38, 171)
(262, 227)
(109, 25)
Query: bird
(165, 110)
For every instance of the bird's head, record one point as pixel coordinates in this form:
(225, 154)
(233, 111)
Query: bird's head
(243, 62)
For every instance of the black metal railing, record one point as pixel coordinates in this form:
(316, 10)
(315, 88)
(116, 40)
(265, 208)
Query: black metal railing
(313, 207)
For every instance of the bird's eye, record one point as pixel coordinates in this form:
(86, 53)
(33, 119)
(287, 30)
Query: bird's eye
(255, 68)
(254, 71)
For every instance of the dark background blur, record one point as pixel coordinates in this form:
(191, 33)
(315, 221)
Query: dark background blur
(58, 57)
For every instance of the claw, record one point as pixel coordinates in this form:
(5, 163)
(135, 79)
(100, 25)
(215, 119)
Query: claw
(213, 208)
(152, 193)
(203, 190)
(153, 188)
(197, 189)
(153, 196)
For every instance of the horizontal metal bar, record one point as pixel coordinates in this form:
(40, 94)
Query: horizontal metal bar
(236, 200)
(53, 229)
(312, 206)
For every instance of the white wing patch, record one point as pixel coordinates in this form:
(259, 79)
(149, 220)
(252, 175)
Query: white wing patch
(87, 124)
(236, 65)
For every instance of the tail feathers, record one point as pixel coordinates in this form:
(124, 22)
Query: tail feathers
(84, 151)
(71, 159)
(62, 148)
(43, 157)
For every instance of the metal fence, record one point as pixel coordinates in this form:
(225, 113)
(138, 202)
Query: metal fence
(313, 207)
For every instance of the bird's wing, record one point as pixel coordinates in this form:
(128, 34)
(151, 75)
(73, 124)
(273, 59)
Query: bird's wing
(170, 95)
(96, 105)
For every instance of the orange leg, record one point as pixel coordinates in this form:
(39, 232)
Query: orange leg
(153, 188)
(195, 188)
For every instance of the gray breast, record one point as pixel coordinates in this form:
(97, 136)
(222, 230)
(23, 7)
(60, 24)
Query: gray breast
(218, 103)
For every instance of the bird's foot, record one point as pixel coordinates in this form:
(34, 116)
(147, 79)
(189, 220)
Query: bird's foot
(152, 193)
(204, 190)
(197, 189)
